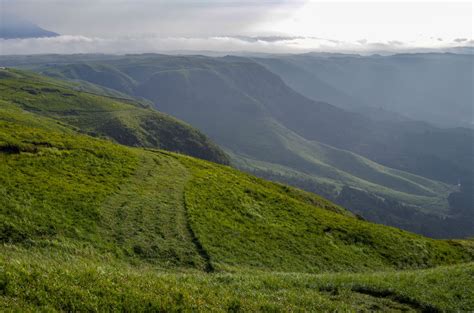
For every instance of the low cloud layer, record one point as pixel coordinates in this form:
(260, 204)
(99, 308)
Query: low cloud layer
(272, 44)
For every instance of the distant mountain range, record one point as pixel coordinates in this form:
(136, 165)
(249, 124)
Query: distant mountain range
(13, 27)
(432, 87)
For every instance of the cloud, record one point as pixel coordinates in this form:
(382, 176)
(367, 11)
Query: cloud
(267, 38)
(395, 43)
(459, 40)
(136, 26)
(160, 17)
(156, 44)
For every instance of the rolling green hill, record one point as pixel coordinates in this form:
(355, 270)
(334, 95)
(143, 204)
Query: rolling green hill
(88, 224)
(124, 120)
(102, 75)
(274, 132)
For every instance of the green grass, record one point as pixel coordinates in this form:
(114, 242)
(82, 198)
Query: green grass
(147, 217)
(53, 187)
(66, 190)
(29, 281)
(87, 224)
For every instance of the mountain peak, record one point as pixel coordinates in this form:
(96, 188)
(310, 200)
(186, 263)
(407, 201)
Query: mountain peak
(14, 27)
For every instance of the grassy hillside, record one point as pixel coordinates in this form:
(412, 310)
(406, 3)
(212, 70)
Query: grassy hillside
(123, 120)
(87, 224)
(102, 75)
(274, 132)
(314, 238)
(73, 191)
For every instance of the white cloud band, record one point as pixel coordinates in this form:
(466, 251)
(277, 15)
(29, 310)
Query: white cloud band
(149, 44)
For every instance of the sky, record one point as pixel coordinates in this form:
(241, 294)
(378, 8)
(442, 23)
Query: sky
(133, 26)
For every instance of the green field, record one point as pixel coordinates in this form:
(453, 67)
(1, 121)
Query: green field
(87, 224)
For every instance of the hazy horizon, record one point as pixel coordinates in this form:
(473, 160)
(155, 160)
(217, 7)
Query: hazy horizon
(283, 26)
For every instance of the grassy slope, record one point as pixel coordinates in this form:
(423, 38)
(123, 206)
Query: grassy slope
(244, 221)
(237, 103)
(64, 187)
(71, 229)
(125, 121)
(104, 75)
(74, 193)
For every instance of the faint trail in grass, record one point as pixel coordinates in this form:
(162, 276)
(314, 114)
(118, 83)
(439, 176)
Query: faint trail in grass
(202, 252)
(147, 217)
(208, 267)
(387, 294)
